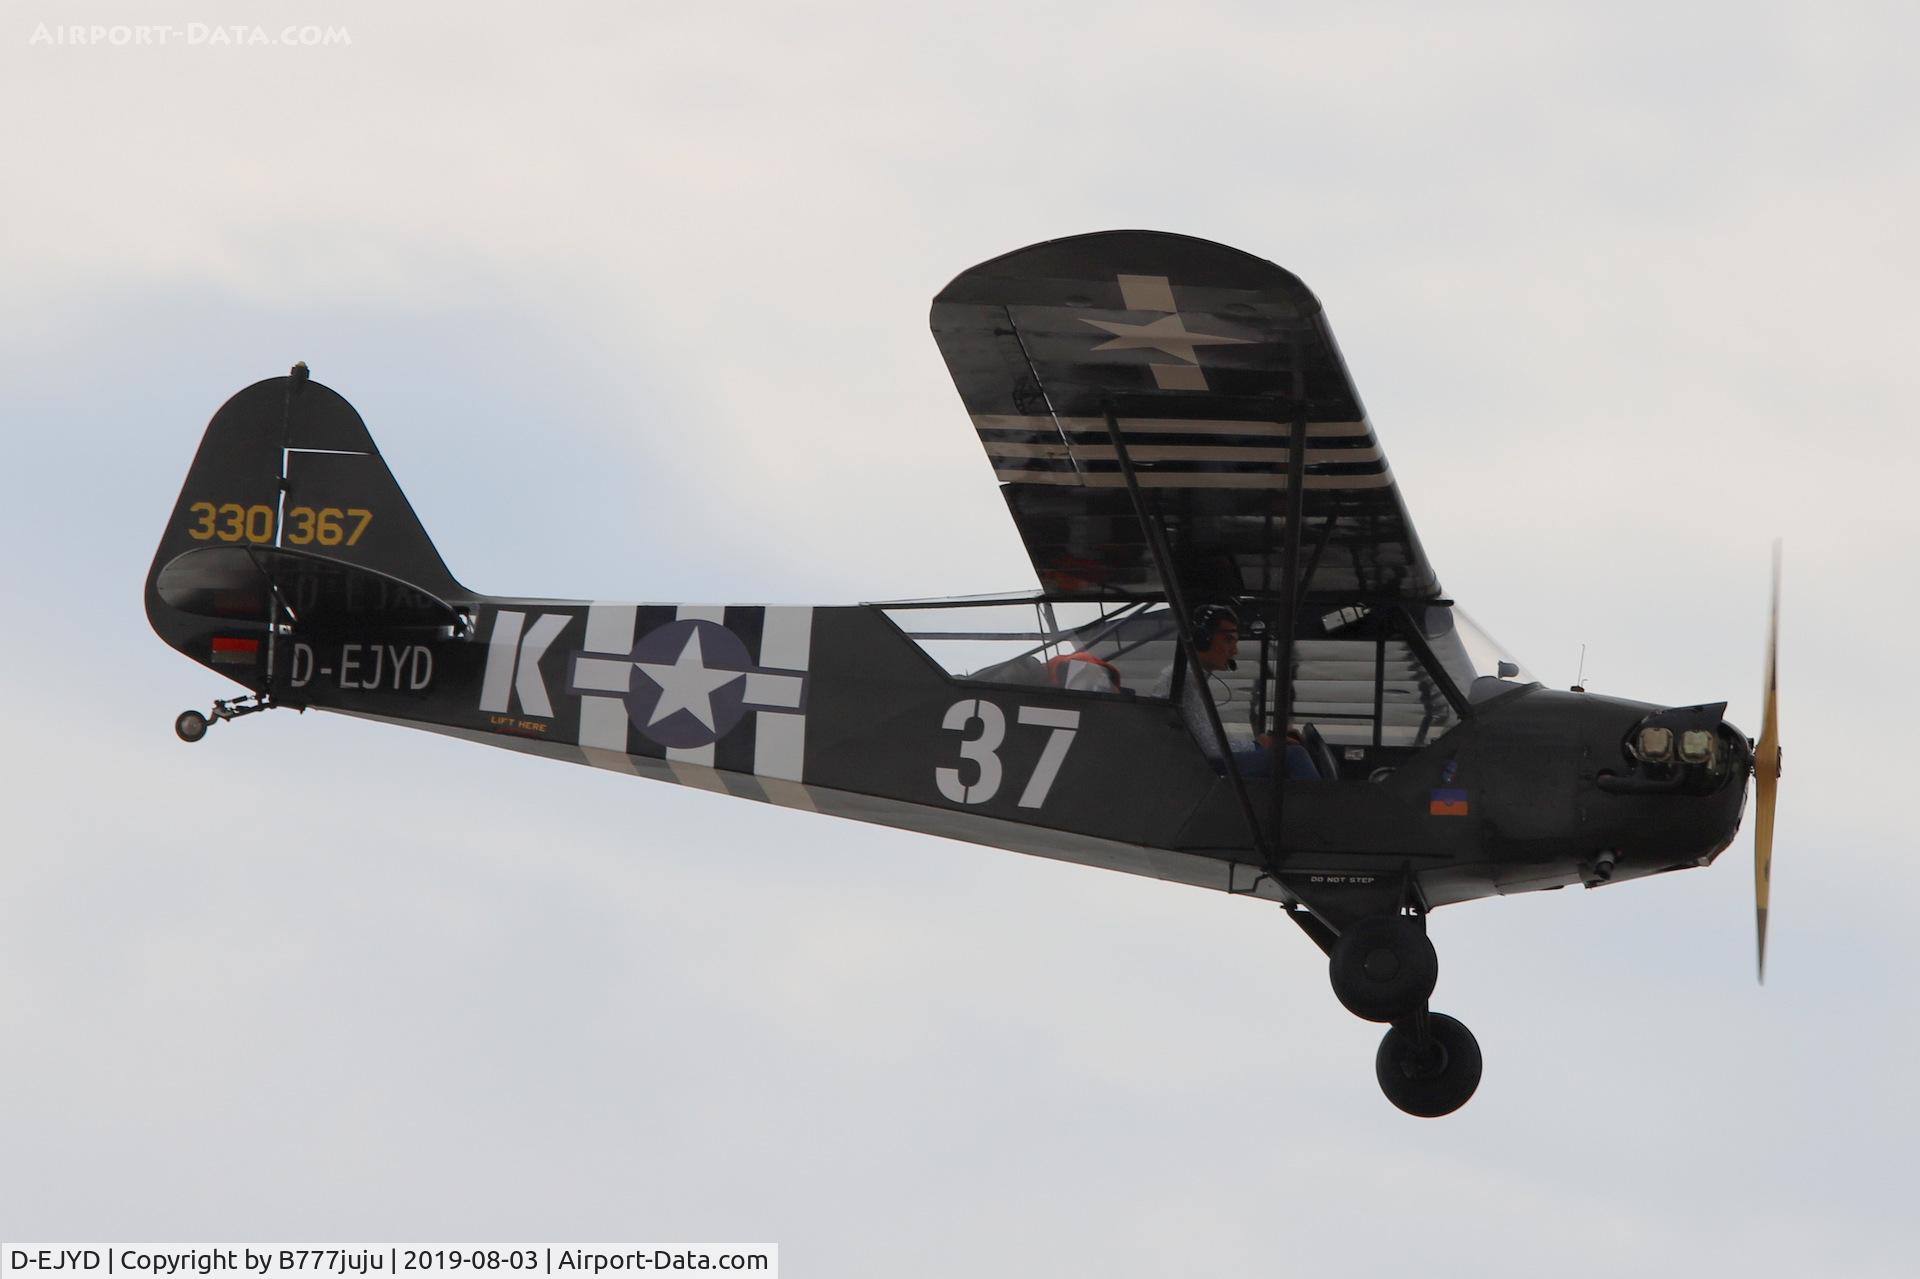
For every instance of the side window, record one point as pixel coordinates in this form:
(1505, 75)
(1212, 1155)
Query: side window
(1368, 690)
(1368, 693)
(1115, 648)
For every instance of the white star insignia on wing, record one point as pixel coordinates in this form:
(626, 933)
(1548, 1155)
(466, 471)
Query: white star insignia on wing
(1168, 334)
(688, 685)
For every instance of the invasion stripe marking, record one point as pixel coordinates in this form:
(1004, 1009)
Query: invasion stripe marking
(787, 794)
(780, 741)
(1192, 479)
(603, 732)
(697, 773)
(603, 720)
(1179, 453)
(1176, 439)
(1163, 425)
(700, 757)
(610, 628)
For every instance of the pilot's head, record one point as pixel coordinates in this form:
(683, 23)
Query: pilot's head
(1216, 637)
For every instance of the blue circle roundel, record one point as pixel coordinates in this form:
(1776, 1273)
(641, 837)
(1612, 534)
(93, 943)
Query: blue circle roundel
(693, 690)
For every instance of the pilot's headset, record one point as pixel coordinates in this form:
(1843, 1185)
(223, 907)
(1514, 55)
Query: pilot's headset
(1206, 620)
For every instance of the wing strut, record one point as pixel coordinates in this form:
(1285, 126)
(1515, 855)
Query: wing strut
(1289, 599)
(1163, 562)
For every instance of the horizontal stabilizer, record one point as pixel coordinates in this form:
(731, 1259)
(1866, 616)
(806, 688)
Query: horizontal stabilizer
(311, 592)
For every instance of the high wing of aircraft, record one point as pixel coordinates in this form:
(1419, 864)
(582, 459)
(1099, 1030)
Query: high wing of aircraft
(1239, 670)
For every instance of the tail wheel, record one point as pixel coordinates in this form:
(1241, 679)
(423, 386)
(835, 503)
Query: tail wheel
(1383, 968)
(1429, 1075)
(190, 726)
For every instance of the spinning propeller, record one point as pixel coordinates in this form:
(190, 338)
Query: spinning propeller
(1766, 775)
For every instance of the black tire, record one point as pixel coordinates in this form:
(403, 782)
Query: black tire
(190, 726)
(1383, 968)
(1435, 1082)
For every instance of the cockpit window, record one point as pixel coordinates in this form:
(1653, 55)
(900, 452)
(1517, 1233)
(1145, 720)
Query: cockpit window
(1368, 693)
(1116, 647)
(1365, 680)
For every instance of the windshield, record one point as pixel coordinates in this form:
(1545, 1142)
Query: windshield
(1468, 653)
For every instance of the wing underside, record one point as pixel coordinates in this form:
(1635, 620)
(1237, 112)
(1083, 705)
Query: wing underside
(1208, 360)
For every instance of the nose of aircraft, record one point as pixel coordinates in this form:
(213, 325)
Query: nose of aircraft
(1740, 765)
(1683, 774)
(1739, 749)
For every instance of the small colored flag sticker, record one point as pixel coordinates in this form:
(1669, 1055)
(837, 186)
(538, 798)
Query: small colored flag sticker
(1447, 803)
(232, 651)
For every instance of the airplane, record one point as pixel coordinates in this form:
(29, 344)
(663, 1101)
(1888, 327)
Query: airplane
(1239, 670)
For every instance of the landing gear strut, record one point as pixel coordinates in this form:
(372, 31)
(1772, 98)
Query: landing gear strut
(191, 726)
(1383, 968)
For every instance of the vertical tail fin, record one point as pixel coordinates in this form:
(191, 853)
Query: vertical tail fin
(285, 463)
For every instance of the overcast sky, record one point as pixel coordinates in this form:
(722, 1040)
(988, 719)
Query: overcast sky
(634, 296)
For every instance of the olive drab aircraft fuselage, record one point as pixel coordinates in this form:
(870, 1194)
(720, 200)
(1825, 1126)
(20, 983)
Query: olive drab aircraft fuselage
(1176, 437)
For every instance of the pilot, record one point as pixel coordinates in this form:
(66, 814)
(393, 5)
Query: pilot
(1216, 645)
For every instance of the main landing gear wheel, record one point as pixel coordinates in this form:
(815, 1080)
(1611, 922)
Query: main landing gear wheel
(1383, 967)
(1432, 1074)
(190, 726)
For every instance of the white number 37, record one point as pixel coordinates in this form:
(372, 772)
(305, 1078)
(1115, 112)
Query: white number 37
(983, 750)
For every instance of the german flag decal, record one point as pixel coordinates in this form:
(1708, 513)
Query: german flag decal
(229, 650)
(1447, 803)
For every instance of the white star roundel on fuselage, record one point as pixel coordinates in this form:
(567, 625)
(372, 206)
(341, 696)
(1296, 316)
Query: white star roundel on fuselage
(689, 684)
(694, 689)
